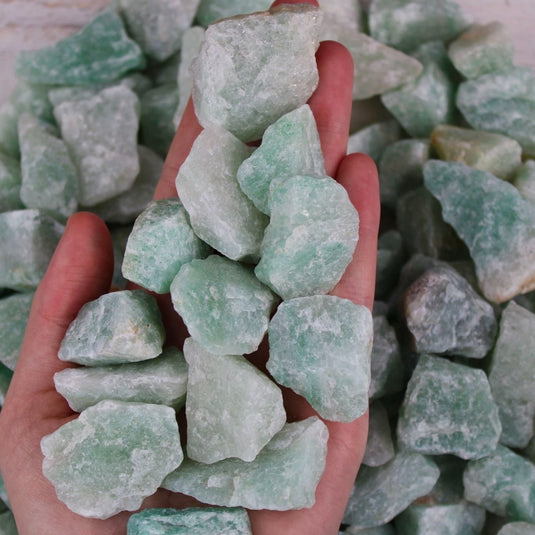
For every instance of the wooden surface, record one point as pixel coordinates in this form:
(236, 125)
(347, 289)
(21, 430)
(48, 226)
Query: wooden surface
(27, 24)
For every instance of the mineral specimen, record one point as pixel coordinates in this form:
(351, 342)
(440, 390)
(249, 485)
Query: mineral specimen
(10, 183)
(379, 448)
(211, 11)
(14, 312)
(373, 139)
(524, 180)
(517, 528)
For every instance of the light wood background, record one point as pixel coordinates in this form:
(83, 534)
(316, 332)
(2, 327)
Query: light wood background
(29, 24)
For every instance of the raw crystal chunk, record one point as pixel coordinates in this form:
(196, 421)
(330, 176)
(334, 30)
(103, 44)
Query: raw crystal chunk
(10, 183)
(283, 476)
(228, 421)
(290, 147)
(210, 11)
(390, 255)
(224, 306)
(160, 381)
(382, 493)
(219, 211)
(512, 375)
(503, 483)
(28, 239)
(311, 237)
(192, 521)
(14, 312)
(405, 24)
(373, 139)
(116, 328)
(497, 154)
(112, 456)
(445, 315)
(344, 14)
(462, 418)
(379, 448)
(517, 528)
(101, 134)
(99, 52)
(241, 77)
(161, 242)
(453, 519)
(49, 177)
(158, 26)
(320, 347)
(125, 207)
(494, 220)
(524, 180)
(482, 49)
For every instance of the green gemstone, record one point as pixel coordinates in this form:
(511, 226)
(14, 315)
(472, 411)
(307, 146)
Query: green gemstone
(116, 328)
(14, 312)
(373, 139)
(112, 456)
(517, 528)
(210, 11)
(524, 180)
(10, 183)
(320, 347)
(379, 448)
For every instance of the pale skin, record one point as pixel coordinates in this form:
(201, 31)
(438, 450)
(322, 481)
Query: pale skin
(81, 270)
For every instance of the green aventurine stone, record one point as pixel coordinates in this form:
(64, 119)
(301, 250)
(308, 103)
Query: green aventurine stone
(503, 483)
(220, 213)
(158, 26)
(283, 476)
(379, 448)
(241, 77)
(445, 315)
(482, 49)
(494, 153)
(405, 24)
(390, 255)
(455, 519)
(512, 375)
(101, 134)
(448, 408)
(14, 312)
(228, 421)
(112, 456)
(224, 306)
(517, 528)
(291, 146)
(161, 242)
(382, 493)
(28, 238)
(100, 52)
(10, 183)
(192, 521)
(373, 139)
(125, 207)
(160, 381)
(311, 237)
(210, 11)
(495, 222)
(49, 177)
(116, 328)
(320, 347)
(524, 179)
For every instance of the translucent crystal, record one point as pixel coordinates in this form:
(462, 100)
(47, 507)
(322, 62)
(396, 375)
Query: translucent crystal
(379, 448)
(10, 183)
(373, 139)
(14, 312)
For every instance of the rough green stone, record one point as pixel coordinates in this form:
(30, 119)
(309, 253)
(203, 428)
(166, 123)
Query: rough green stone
(14, 312)
(241, 77)
(497, 154)
(373, 139)
(494, 221)
(161, 242)
(49, 177)
(311, 237)
(390, 254)
(405, 24)
(456, 519)
(191, 521)
(10, 183)
(210, 11)
(320, 347)
(446, 316)
(224, 306)
(228, 421)
(502, 102)
(512, 375)
(337, 14)
(401, 168)
(112, 456)
(100, 52)
(28, 239)
(158, 26)
(381, 493)
(448, 408)
(160, 381)
(220, 213)
(125, 207)
(483, 48)
(290, 147)
(379, 448)
(101, 134)
(157, 128)
(7, 523)
(116, 328)
(119, 236)
(283, 476)
(517, 528)
(503, 483)
(5, 378)
(524, 180)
